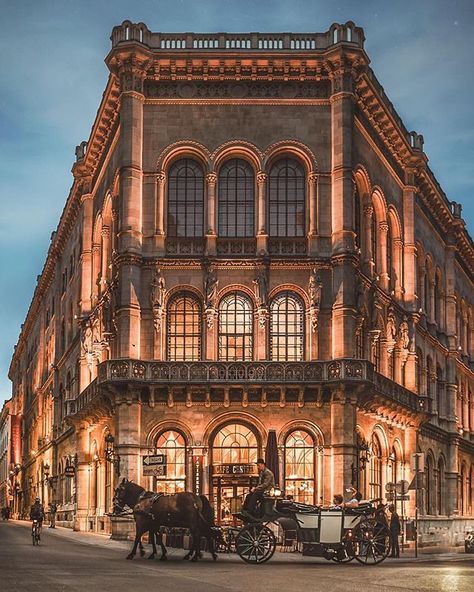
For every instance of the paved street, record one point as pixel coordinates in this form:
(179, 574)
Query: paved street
(67, 561)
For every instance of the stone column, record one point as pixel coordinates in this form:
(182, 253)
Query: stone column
(262, 231)
(313, 212)
(82, 477)
(398, 268)
(211, 234)
(130, 234)
(383, 246)
(452, 472)
(105, 262)
(127, 438)
(409, 251)
(342, 205)
(160, 212)
(343, 435)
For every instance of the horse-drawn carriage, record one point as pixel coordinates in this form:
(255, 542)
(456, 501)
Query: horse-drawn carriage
(340, 535)
(185, 521)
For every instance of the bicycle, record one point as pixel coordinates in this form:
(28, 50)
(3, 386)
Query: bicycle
(36, 532)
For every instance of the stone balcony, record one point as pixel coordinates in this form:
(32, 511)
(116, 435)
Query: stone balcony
(129, 32)
(261, 383)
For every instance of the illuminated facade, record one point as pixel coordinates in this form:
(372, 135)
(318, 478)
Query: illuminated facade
(253, 250)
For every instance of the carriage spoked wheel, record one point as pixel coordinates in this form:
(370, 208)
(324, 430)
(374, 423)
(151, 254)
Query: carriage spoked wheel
(345, 554)
(255, 543)
(371, 542)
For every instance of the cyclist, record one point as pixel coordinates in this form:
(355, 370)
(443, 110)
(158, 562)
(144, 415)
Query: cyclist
(37, 513)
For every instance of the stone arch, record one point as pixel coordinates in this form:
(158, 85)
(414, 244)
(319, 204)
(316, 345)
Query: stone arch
(169, 424)
(363, 183)
(290, 288)
(382, 436)
(312, 428)
(290, 147)
(223, 292)
(242, 417)
(184, 149)
(237, 149)
(183, 288)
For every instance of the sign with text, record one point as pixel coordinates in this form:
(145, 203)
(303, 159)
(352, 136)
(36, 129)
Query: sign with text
(154, 465)
(70, 471)
(228, 469)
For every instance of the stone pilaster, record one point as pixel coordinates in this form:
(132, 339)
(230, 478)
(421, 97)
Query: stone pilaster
(211, 234)
(262, 232)
(343, 434)
(160, 212)
(409, 251)
(82, 477)
(127, 438)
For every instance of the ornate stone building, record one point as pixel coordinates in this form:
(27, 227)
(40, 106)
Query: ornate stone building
(254, 256)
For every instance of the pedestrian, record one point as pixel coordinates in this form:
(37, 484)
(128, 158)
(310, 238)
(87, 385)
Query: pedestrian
(52, 514)
(395, 530)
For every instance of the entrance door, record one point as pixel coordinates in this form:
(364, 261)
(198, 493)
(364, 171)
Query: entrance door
(228, 496)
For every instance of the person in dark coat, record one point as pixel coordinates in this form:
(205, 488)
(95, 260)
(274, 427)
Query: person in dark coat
(266, 482)
(395, 530)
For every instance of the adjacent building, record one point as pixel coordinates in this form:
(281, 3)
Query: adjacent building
(254, 258)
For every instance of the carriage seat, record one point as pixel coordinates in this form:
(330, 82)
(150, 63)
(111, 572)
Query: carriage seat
(285, 506)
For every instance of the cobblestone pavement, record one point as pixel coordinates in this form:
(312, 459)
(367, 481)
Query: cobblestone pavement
(67, 561)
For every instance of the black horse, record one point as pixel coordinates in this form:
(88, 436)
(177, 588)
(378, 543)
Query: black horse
(152, 511)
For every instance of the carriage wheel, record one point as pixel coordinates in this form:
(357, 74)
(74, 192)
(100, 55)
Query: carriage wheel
(371, 542)
(255, 543)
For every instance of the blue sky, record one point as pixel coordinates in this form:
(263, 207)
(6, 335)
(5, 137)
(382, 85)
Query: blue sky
(52, 76)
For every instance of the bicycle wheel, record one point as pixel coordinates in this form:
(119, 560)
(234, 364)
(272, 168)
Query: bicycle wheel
(371, 542)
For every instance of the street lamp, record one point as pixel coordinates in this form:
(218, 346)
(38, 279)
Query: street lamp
(46, 468)
(110, 453)
(363, 456)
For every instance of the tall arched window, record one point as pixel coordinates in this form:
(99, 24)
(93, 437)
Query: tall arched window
(286, 199)
(440, 487)
(235, 443)
(375, 477)
(419, 371)
(439, 391)
(184, 325)
(287, 327)
(390, 259)
(429, 482)
(236, 199)
(374, 241)
(235, 327)
(357, 219)
(429, 373)
(185, 199)
(173, 445)
(300, 466)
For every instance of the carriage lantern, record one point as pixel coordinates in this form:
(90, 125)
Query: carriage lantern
(110, 453)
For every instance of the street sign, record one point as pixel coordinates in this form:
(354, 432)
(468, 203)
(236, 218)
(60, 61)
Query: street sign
(70, 471)
(418, 462)
(402, 487)
(391, 497)
(390, 487)
(154, 465)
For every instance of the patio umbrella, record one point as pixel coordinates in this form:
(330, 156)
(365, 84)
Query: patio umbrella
(271, 456)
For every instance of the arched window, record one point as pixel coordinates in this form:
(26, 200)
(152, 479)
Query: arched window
(374, 241)
(429, 482)
(235, 327)
(173, 445)
(286, 199)
(462, 490)
(390, 258)
(300, 466)
(419, 371)
(439, 391)
(437, 298)
(235, 443)
(429, 372)
(440, 487)
(184, 325)
(287, 327)
(357, 219)
(185, 199)
(236, 199)
(375, 477)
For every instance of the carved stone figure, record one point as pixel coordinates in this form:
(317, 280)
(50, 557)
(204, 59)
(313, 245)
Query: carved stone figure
(391, 325)
(376, 307)
(210, 288)
(360, 296)
(261, 289)
(157, 297)
(315, 288)
(404, 334)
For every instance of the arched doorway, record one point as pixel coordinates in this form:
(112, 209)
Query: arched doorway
(234, 452)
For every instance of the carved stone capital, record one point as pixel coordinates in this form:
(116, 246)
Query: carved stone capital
(383, 226)
(161, 177)
(261, 178)
(312, 178)
(211, 179)
(105, 231)
(368, 211)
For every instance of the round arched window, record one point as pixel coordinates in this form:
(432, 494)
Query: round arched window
(173, 445)
(300, 466)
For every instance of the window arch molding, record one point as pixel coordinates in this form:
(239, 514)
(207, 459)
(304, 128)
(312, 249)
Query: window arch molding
(382, 436)
(186, 149)
(247, 419)
(168, 425)
(313, 429)
(235, 421)
(237, 149)
(290, 149)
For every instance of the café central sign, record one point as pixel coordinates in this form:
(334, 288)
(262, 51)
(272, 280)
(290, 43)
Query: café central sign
(231, 469)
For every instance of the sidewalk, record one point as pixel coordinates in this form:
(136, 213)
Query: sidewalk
(426, 554)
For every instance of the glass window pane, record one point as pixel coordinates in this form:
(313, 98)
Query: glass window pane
(286, 199)
(300, 466)
(236, 199)
(185, 199)
(287, 327)
(184, 328)
(173, 445)
(235, 327)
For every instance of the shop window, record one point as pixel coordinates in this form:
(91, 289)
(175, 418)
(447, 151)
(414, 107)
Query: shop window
(172, 444)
